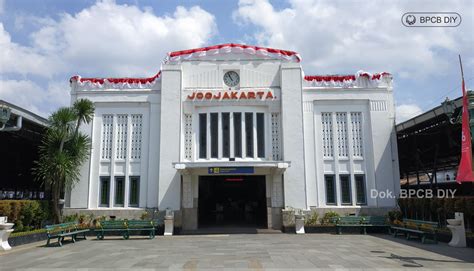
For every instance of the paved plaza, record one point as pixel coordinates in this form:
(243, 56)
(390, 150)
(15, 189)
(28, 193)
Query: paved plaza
(243, 251)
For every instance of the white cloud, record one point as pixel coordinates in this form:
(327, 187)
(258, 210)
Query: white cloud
(407, 111)
(346, 36)
(105, 39)
(31, 96)
(15, 58)
(108, 39)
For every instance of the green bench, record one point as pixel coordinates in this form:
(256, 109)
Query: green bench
(124, 227)
(63, 230)
(422, 229)
(362, 222)
(375, 221)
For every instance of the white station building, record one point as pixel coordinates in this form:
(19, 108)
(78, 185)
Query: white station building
(234, 134)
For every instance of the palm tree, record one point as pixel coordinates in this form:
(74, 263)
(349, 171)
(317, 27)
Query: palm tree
(84, 110)
(63, 150)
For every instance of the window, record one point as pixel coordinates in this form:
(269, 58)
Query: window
(275, 136)
(134, 191)
(240, 131)
(237, 134)
(119, 191)
(136, 146)
(261, 135)
(188, 136)
(345, 189)
(341, 125)
(225, 135)
(360, 189)
(356, 129)
(122, 130)
(107, 130)
(326, 125)
(214, 135)
(202, 136)
(249, 133)
(104, 191)
(330, 189)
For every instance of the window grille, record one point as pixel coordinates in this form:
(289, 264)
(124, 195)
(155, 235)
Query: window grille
(121, 147)
(188, 136)
(107, 130)
(341, 124)
(136, 136)
(276, 136)
(326, 123)
(356, 129)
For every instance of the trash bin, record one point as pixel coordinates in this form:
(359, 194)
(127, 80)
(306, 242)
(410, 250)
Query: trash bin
(299, 223)
(169, 222)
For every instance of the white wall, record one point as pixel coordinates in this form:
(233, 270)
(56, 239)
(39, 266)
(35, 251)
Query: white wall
(379, 163)
(299, 108)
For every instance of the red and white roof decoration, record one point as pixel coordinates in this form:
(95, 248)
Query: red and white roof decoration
(118, 83)
(360, 79)
(231, 48)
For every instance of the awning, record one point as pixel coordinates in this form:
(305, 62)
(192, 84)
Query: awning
(184, 167)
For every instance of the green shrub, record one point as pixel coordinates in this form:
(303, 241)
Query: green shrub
(17, 234)
(329, 217)
(26, 214)
(312, 219)
(70, 218)
(395, 215)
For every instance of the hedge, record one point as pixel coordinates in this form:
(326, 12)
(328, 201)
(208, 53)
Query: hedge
(26, 214)
(438, 209)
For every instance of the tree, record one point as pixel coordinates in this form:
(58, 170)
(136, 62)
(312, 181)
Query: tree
(63, 150)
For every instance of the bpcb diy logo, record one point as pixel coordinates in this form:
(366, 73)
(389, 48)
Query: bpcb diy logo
(410, 19)
(431, 19)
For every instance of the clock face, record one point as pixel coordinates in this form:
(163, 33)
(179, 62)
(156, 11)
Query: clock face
(231, 78)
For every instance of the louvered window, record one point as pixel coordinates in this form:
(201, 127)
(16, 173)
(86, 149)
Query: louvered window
(121, 146)
(341, 126)
(356, 129)
(107, 131)
(326, 123)
(136, 144)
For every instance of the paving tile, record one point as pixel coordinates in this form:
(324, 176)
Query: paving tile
(242, 252)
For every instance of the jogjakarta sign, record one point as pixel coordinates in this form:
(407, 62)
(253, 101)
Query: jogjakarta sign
(232, 95)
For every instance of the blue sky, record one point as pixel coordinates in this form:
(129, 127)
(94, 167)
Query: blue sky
(43, 43)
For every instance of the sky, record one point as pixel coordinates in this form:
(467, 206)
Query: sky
(44, 43)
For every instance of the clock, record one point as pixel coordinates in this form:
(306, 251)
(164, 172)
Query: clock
(231, 78)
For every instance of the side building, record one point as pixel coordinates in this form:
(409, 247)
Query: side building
(233, 134)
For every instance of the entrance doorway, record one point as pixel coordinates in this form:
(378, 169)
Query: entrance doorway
(232, 201)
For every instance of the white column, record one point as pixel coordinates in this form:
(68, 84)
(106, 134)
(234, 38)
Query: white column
(292, 132)
(154, 124)
(171, 118)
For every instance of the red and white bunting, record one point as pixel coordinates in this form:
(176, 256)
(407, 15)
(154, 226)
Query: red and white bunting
(348, 81)
(231, 48)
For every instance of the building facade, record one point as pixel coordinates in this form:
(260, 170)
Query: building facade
(234, 133)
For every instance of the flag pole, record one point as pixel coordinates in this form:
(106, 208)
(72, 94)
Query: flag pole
(460, 64)
(464, 173)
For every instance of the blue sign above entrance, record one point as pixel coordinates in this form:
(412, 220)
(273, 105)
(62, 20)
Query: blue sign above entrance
(230, 170)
